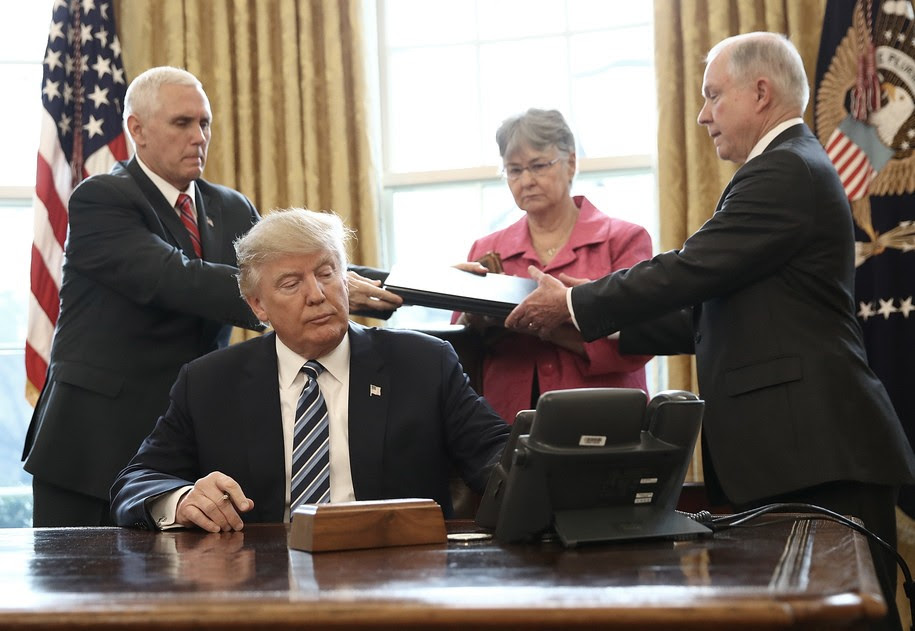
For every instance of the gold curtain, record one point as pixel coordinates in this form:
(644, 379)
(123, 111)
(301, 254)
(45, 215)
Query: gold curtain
(286, 84)
(690, 175)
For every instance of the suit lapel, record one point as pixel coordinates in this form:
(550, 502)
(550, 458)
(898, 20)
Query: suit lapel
(369, 385)
(795, 131)
(208, 222)
(168, 216)
(262, 427)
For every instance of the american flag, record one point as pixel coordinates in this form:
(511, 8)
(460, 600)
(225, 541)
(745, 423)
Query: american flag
(854, 167)
(82, 94)
(884, 215)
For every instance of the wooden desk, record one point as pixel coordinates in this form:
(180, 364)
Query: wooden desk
(784, 574)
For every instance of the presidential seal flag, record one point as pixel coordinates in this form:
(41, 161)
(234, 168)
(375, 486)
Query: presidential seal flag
(865, 117)
(82, 94)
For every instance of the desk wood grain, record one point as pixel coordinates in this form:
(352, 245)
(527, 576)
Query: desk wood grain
(785, 574)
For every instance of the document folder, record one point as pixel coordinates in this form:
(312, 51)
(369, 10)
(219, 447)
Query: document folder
(450, 288)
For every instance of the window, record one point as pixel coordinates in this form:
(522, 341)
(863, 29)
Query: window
(452, 70)
(21, 54)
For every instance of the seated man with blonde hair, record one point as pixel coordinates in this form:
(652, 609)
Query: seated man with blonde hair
(401, 414)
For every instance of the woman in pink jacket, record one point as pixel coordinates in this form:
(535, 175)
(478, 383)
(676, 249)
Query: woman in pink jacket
(558, 234)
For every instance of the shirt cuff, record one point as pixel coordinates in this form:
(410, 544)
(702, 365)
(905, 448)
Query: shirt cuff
(571, 310)
(164, 508)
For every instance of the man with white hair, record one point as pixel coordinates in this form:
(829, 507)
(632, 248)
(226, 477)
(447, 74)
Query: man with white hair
(148, 285)
(763, 295)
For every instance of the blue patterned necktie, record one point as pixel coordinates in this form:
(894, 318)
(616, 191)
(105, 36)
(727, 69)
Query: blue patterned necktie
(310, 444)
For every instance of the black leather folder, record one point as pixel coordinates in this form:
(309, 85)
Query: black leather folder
(443, 287)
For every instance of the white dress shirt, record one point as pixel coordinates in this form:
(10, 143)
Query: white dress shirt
(334, 384)
(169, 192)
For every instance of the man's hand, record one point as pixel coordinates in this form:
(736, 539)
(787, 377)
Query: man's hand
(478, 323)
(544, 309)
(366, 294)
(213, 504)
(571, 281)
(473, 267)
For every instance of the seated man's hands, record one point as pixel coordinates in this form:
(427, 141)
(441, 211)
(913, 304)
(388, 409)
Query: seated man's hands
(366, 294)
(213, 504)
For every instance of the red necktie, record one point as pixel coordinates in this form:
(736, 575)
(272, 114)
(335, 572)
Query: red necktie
(186, 209)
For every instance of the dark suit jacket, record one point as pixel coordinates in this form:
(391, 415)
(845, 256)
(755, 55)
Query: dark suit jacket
(135, 305)
(766, 292)
(225, 416)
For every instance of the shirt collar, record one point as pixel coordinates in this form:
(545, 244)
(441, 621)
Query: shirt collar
(767, 139)
(588, 229)
(169, 192)
(289, 363)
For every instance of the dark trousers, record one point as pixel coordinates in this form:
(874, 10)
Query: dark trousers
(54, 506)
(875, 506)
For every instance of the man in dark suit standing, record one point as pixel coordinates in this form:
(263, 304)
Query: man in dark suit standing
(142, 294)
(401, 411)
(763, 295)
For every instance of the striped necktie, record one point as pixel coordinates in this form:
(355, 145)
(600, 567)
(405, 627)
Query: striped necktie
(310, 444)
(186, 210)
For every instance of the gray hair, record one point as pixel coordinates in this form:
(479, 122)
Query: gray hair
(771, 55)
(538, 129)
(142, 95)
(284, 232)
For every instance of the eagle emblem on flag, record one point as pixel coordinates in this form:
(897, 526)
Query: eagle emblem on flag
(865, 116)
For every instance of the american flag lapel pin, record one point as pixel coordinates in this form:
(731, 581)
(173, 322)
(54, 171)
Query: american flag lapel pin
(374, 391)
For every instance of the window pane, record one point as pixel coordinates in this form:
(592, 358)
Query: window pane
(508, 19)
(26, 35)
(15, 412)
(517, 55)
(517, 75)
(15, 252)
(433, 108)
(613, 91)
(18, 161)
(428, 22)
(460, 212)
(598, 14)
(422, 215)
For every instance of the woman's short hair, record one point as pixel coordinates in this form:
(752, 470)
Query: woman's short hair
(770, 55)
(142, 95)
(537, 129)
(284, 232)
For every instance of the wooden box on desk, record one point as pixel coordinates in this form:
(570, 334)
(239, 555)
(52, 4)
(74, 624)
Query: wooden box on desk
(367, 524)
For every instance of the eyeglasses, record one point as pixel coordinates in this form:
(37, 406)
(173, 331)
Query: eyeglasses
(513, 172)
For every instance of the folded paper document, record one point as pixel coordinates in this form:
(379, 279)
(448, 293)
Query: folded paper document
(450, 288)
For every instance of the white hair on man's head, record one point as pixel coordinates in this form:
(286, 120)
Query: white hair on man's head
(771, 55)
(142, 95)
